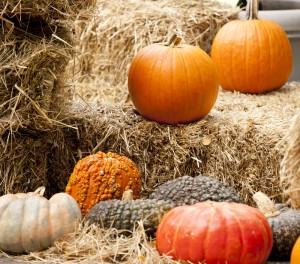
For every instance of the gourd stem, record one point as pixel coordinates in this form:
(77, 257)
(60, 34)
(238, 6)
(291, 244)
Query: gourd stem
(175, 40)
(40, 191)
(127, 195)
(265, 205)
(252, 9)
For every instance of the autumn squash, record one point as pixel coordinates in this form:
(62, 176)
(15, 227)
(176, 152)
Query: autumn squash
(252, 56)
(172, 83)
(125, 214)
(30, 222)
(285, 225)
(187, 190)
(103, 176)
(215, 232)
(295, 256)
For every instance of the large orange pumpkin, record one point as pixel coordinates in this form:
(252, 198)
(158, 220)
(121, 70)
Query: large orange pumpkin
(253, 55)
(173, 83)
(215, 232)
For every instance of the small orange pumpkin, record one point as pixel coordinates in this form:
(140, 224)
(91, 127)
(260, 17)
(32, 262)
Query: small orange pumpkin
(295, 256)
(173, 83)
(252, 56)
(100, 177)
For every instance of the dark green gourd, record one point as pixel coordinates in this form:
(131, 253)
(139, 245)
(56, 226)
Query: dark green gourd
(187, 190)
(285, 225)
(124, 214)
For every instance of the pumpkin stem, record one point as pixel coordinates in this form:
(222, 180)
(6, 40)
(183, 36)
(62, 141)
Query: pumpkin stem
(252, 10)
(175, 40)
(265, 205)
(127, 195)
(40, 191)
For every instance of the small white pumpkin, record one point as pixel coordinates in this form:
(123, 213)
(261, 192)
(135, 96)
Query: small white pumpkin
(30, 222)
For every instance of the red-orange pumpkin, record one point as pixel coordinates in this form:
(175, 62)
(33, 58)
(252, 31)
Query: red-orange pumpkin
(252, 56)
(173, 83)
(215, 232)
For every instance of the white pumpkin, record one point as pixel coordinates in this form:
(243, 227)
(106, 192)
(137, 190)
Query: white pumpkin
(30, 222)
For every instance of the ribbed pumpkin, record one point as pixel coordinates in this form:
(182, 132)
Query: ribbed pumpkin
(103, 176)
(172, 83)
(253, 55)
(215, 232)
(29, 222)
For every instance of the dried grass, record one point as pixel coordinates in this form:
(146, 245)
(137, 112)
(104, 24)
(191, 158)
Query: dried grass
(44, 9)
(90, 244)
(119, 28)
(290, 164)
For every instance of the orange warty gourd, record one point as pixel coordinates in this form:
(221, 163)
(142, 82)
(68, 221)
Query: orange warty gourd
(295, 256)
(173, 83)
(103, 176)
(252, 56)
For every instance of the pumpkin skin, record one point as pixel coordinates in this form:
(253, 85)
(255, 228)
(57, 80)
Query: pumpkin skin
(295, 256)
(29, 222)
(103, 176)
(252, 56)
(172, 84)
(215, 232)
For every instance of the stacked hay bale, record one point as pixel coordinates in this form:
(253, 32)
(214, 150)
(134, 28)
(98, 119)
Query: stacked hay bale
(119, 29)
(36, 46)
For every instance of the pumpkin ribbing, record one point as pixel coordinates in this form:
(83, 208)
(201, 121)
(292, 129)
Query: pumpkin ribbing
(252, 56)
(173, 83)
(215, 232)
(30, 222)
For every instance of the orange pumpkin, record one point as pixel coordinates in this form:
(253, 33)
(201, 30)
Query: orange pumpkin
(295, 256)
(100, 177)
(252, 56)
(172, 83)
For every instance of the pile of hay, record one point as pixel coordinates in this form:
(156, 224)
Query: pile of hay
(119, 29)
(35, 51)
(290, 165)
(44, 9)
(237, 141)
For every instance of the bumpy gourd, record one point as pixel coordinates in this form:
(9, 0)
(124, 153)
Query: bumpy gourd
(99, 177)
(188, 190)
(29, 222)
(285, 225)
(124, 214)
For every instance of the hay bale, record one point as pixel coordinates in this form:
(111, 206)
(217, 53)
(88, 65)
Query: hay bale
(30, 159)
(33, 86)
(290, 165)
(237, 142)
(118, 29)
(44, 9)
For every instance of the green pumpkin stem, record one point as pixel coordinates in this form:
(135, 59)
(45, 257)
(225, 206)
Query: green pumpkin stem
(175, 40)
(265, 205)
(252, 10)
